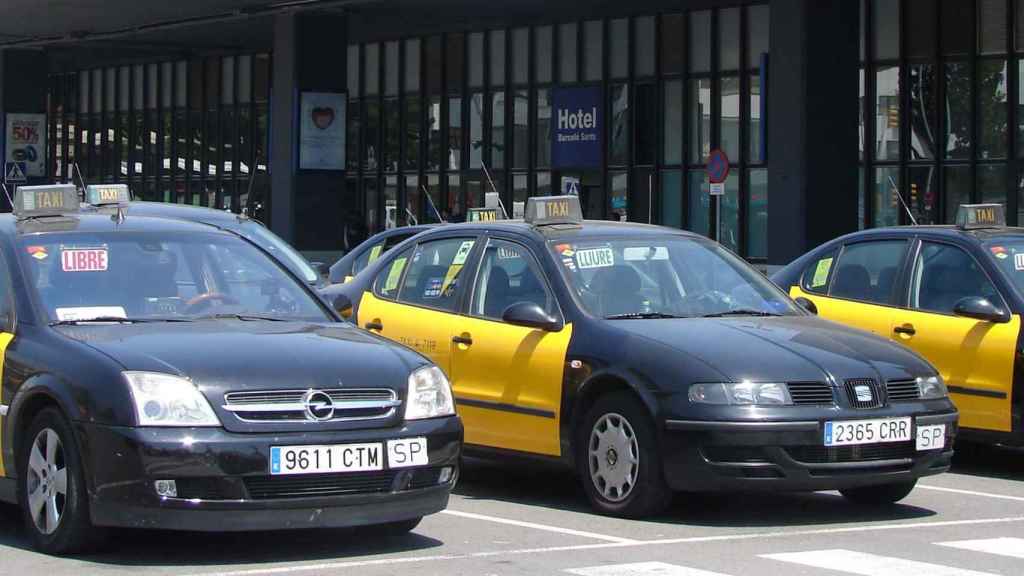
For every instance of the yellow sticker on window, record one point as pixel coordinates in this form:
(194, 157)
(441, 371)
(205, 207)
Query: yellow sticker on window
(375, 253)
(395, 274)
(821, 273)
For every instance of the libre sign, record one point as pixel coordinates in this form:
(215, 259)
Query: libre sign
(577, 125)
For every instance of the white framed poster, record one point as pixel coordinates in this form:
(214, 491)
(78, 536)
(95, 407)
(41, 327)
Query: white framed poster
(25, 138)
(322, 131)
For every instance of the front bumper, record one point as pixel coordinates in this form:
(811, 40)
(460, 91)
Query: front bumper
(790, 456)
(224, 481)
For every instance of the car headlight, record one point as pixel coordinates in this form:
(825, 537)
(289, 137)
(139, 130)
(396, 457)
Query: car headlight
(932, 387)
(741, 394)
(430, 395)
(168, 400)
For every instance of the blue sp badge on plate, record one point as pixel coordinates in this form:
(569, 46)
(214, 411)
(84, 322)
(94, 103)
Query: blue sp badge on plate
(275, 460)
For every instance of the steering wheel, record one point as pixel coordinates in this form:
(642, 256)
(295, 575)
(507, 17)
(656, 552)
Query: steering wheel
(202, 300)
(712, 298)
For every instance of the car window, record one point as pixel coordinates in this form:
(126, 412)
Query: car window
(387, 281)
(867, 271)
(367, 257)
(508, 275)
(943, 275)
(278, 248)
(434, 271)
(815, 277)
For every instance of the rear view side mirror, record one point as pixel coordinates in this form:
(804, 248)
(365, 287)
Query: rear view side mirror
(342, 304)
(320, 268)
(980, 308)
(530, 315)
(808, 305)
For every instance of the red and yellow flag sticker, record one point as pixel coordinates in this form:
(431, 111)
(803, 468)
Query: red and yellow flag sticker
(37, 252)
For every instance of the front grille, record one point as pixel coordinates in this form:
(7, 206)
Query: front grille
(860, 453)
(853, 386)
(813, 393)
(898, 390)
(323, 485)
(290, 406)
(734, 454)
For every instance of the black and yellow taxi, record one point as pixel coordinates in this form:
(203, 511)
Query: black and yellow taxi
(651, 360)
(370, 250)
(955, 294)
(158, 373)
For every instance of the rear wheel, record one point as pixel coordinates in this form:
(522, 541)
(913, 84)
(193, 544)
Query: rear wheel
(881, 495)
(51, 487)
(619, 460)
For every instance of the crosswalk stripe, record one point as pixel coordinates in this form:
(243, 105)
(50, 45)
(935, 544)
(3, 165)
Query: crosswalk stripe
(641, 569)
(870, 564)
(1012, 547)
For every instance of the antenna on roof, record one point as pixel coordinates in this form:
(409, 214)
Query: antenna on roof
(906, 208)
(8, 195)
(494, 189)
(431, 201)
(81, 180)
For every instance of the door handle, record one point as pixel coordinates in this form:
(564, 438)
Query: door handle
(906, 329)
(375, 325)
(466, 340)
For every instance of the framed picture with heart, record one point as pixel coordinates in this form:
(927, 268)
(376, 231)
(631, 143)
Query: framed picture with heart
(322, 131)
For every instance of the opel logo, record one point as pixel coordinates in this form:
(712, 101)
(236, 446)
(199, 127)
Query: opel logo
(319, 406)
(863, 393)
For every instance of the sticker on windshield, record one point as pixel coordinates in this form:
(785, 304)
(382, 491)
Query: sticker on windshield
(375, 253)
(394, 275)
(645, 253)
(433, 289)
(463, 253)
(569, 263)
(507, 253)
(595, 258)
(86, 313)
(37, 252)
(84, 260)
(821, 273)
(1018, 261)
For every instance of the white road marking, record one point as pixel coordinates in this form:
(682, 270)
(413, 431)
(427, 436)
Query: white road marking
(1012, 547)
(535, 526)
(869, 564)
(971, 493)
(323, 567)
(641, 569)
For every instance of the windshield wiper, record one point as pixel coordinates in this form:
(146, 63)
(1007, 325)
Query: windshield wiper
(640, 315)
(115, 320)
(740, 312)
(245, 317)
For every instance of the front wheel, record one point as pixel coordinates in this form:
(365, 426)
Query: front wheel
(881, 495)
(619, 460)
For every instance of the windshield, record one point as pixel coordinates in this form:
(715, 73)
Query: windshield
(1008, 255)
(669, 276)
(278, 248)
(159, 276)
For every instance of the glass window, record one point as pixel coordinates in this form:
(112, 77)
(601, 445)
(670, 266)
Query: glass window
(958, 111)
(957, 190)
(387, 282)
(542, 53)
(671, 196)
(816, 276)
(413, 131)
(887, 29)
(543, 184)
(887, 113)
(498, 130)
(433, 61)
(455, 133)
(729, 39)
(922, 194)
(886, 201)
(698, 206)
(673, 58)
(392, 134)
(476, 60)
(1019, 25)
(645, 120)
(372, 138)
(957, 26)
(497, 57)
(619, 198)
(593, 53)
(867, 271)
(369, 255)
(700, 41)
(435, 146)
(521, 55)
(992, 26)
(921, 34)
(352, 150)
(412, 65)
(520, 191)
(618, 143)
(757, 213)
(521, 129)
(729, 213)
(476, 130)
(643, 62)
(758, 33)
(567, 52)
(755, 128)
(860, 117)
(508, 275)
(729, 121)
(543, 128)
(412, 201)
(700, 120)
(923, 111)
(1020, 198)
(944, 275)
(455, 62)
(392, 216)
(992, 183)
(618, 47)
(672, 146)
(371, 79)
(992, 97)
(1020, 106)
(434, 273)
(391, 69)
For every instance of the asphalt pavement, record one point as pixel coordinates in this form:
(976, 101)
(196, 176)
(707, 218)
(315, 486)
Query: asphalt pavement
(511, 519)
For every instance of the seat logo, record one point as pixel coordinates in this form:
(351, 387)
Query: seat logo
(319, 406)
(863, 393)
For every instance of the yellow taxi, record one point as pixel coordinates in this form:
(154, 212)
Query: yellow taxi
(955, 294)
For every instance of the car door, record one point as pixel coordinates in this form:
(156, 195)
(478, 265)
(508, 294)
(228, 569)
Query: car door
(975, 357)
(856, 284)
(507, 379)
(6, 336)
(414, 298)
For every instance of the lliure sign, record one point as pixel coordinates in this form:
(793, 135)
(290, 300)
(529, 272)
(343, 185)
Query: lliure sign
(577, 128)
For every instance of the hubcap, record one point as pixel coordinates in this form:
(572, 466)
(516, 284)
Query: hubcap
(47, 481)
(614, 456)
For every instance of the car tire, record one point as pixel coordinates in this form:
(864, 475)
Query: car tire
(394, 529)
(880, 495)
(634, 492)
(52, 490)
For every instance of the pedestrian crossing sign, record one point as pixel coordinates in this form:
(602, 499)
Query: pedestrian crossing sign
(15, 172)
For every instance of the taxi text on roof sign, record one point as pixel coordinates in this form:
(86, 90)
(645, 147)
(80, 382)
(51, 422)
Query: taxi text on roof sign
(99, 194)
(981, 215)
(554, 210)
(482, 215)
(43, 200)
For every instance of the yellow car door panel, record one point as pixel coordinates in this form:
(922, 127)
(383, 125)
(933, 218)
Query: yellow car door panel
(424, 330)
(5, 341)
(873, 318)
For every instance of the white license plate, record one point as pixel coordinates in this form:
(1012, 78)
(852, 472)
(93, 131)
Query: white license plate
(407, 452)
(851, 432)
(348, 457)
(931, 437)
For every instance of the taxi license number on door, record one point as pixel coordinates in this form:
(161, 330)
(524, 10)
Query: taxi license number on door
(851, 432)
(325, 459)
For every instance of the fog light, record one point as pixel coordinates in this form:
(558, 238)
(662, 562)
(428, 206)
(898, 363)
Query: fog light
(446, 475)
(166, 488)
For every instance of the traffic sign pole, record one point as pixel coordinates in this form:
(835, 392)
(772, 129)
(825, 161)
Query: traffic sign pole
(718, 173)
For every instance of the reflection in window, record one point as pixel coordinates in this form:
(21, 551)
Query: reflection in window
(412, 65)
(542, 46)
(520, 190)
(521, 129)
(543, 184)
(618, 149)
(671, 199)
(729, 123)
(887, 113)
(729, 39)
(992, 97)
(498, 130)
(413, 119)
(372, 115)
(567, 52)
(957, 190)
(476, 60)
(922, 194)
(958, 111)
(455, 133)
(672, 148)
(543, 128)
(923, 85)
(700, 120)
(643, 62)
(673, 56)
(860, 116)
(392, 134)
(1020, 197)
(391, 216)
(434, 145)
(729, 217)
(619, 198)
(618, 48)
(521, 55)
(992, 183)
(755, 129)
(992, 26)
(476, 130)
(700, 41)
(698, 206)
(412, 200)
(758, 22)
(371, 71)
(645, 119)
(497, 58)
(886, 201)
(757, 213)
(593, 50)
(887, 29)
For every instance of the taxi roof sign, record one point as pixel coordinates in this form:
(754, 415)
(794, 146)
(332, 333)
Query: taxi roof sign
(482, 215)
(45, 200)
(542, 210)
(980, 216)
(100, 194)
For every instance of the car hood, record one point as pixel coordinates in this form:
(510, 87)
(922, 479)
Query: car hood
(223, 356)
(782, 349)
